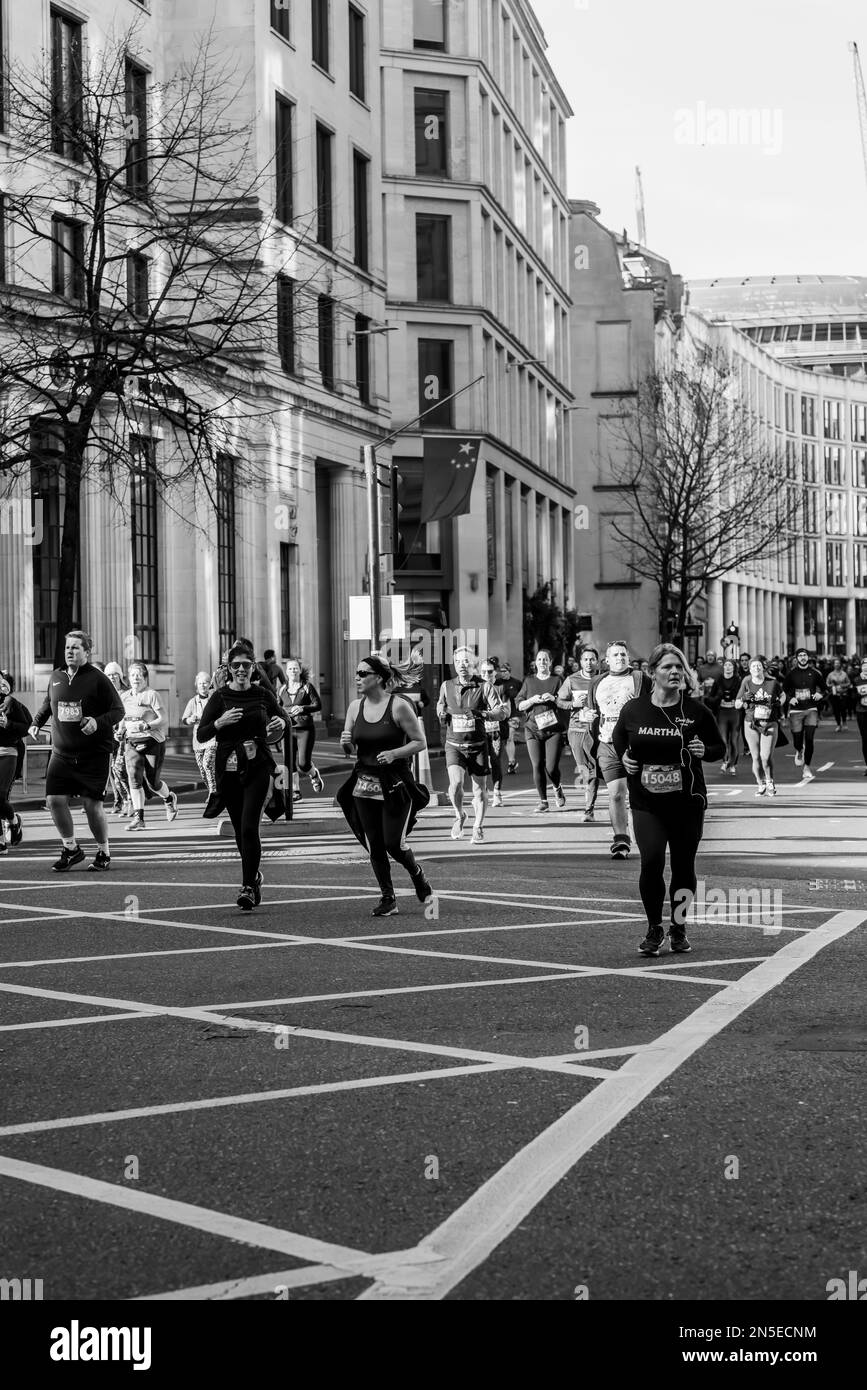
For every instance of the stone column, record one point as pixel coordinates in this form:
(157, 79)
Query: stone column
(17, 536)
(716, 621)
(752, 642)
(800, 635)
(347, 566)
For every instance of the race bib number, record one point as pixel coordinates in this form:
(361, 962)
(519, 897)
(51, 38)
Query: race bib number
(368, 787)
(232, 762)
(802, 695)
(661, 779)
(492, 726)
(545, 718)
(69, 711)
(463, 723)
(762, 714)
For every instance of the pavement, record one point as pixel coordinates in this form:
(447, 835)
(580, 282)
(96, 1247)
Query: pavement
(495, 1098)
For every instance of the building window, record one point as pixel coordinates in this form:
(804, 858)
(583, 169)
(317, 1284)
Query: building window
(285, 599)
(433, 257)
(509, 518)
(859, 424)
(791, 458)
(286, 323)
(280, 18)
(357, 85)
(435, 382)
(145, 572)
(66, 93)
(491, 504)
(137, 286)
(859, 467)
(360, 208)
(326, 341)
(860, 577)
(792, 558)
(834, 465)
(136, 161)
(324, 209)
(835, 514)
(790, 411)
(835, 564)
(319, 20)
(46, 473)
(811, 511)
(859, 507)
(431, 133)
(429, 24)
(283, 160)
(808, 415)
(811, 562)
(67, 271)
(418, 545)
(808, 462)
(227, 608)
(832, 419)
(362, 357)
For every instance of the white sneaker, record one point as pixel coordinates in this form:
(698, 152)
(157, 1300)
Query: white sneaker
(761, 789)
(497, 799)
(478, 837)
(724, 768)
(771, 787)
(799, 759)
(457, 830)
(808, 775)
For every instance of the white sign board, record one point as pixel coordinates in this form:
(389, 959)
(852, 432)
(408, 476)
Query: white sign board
(393, 616)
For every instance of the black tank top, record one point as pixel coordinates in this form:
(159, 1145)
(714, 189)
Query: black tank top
(373, 738)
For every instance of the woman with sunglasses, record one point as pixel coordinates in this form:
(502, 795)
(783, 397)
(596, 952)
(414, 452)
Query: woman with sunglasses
(381, 800)
(243, 717)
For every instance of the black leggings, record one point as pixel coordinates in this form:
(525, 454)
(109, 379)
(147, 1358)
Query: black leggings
(838, 708)
(729, 721)
(804, 740)
(302, 749)
(7, 777)
(861, 716)
(244, 804)
(679, 831)
(384, 824)
(495, 756)
(544, 750)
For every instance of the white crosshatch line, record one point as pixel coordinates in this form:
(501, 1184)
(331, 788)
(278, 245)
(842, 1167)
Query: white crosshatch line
(401, 1274)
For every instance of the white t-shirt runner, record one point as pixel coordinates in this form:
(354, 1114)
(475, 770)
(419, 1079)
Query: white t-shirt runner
(612, 693)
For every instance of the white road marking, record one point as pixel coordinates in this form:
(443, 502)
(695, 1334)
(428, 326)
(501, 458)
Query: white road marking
(480, 1224)
(68, 1022)
(254, 1284)
(825, 767)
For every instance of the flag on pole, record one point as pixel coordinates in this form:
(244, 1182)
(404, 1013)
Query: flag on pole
(449, 471)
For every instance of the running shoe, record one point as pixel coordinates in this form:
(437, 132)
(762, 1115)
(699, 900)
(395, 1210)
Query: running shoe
(771, 787)
(247, 898)
(760, 789)
(653, 941)
(541, 808)
(560, 798)
(257, 890)
(137, 822)
(497, 799)
(620, 847)
(116, 808)
(316, 781)
(68, 859)
(724, 768)
(101, 863)
(478, 836)
(3, 845)
(588, 818)
(733, 771)
(423, 890)
(126, 810)
(808, 775)
(679, 941)
(16, 831)
(799, 759)
(457, 830)
(512, 768)
(386, 907)
(296, 796)
(171, 806)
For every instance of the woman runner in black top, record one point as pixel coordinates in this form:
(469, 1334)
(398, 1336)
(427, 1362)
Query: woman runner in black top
(243, 717)
(723, 694)
(15, 720)
(537, 700)
(662, 738)
(381, 800)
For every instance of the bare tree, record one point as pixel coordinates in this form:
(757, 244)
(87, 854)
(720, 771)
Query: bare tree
(144, 285)
(703, 480)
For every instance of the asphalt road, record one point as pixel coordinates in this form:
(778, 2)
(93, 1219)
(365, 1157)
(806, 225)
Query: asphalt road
(499, 1100)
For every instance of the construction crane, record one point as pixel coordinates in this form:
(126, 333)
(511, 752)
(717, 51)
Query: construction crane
(862, 100)
(639, 205)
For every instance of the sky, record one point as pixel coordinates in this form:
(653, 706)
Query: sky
(781, 189)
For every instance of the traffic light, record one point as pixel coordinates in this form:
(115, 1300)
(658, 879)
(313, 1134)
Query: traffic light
(390, 483)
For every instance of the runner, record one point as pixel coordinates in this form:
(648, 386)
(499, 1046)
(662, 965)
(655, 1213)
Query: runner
(300, 699)
(583, 728)
(242, 717)
(762, 700)
(205, 754)
(508, 688)
(15, 719)
(537, 699)
(721, 703)
(83, 707)
(144, 729)
(381, 800)
(662, 737)
(805, 692)
(608, 694)
(494, 733)
(708, 673)
(861, 707)
(118, 781)
(463, 706)
(838, 693)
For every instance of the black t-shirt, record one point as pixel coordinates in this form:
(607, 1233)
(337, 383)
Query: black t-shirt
(805, 688)
(259, 706)
(725, 691)
(668, 775)
(538, 717)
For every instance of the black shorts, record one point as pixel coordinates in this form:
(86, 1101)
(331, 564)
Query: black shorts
(473, 758)
(78, 776)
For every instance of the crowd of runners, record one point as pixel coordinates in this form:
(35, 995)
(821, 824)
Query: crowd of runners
(644, 729)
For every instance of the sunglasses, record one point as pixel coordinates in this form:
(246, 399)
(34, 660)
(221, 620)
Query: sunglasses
(362, 674)
(241, 666)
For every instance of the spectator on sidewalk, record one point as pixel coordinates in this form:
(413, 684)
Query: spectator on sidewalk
(15, 720)
(205, 754)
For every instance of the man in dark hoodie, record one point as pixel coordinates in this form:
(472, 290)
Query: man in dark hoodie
(83, 707)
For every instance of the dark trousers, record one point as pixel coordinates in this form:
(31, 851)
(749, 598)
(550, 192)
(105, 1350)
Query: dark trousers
(384, 824)
(7, 776)
(838, 708)
(302, 749)
(544, 750)
(729, 722)
(861, 716)
(679, 830)
(495, 754)
(244, 805)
